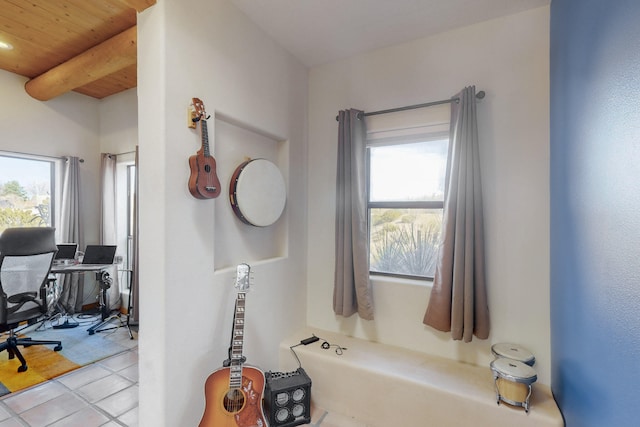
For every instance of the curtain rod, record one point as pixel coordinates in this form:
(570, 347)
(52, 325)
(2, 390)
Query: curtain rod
(19, 153)
(121, 154)
(479, 95)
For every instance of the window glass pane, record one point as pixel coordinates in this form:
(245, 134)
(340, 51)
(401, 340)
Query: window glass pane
(408, 172)
(131, 194)
(25, 192)
(404, 241)
(131, 198)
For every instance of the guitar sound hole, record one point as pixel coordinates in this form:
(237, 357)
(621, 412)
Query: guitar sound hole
(207, 168)
(233, 401)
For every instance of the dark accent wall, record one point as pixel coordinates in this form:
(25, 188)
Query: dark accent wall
(595, 211)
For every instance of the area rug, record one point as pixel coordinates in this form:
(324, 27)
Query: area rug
(78, 349)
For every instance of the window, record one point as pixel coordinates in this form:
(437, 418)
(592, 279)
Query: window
(125, 197)
(406, 176)
(131, 195)
(27, 191)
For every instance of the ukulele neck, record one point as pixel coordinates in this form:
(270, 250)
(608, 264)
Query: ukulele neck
(205, 137)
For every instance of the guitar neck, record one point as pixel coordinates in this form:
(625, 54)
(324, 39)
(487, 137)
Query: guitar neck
(235, 376)
(205, 137)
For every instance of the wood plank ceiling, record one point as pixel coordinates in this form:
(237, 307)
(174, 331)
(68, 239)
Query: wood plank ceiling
(49, 39)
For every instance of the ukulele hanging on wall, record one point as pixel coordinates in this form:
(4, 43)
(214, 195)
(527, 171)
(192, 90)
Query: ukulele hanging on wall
(203, 181)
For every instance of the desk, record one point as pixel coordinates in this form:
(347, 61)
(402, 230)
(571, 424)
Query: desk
(104, 279)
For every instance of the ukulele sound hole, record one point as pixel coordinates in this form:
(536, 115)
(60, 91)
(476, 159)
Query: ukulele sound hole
(207, 168)
(233, 401)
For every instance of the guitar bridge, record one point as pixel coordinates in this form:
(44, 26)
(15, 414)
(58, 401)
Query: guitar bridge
(210, 188)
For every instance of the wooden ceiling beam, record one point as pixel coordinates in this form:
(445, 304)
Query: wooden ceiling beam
(139, 5)
(106, 58)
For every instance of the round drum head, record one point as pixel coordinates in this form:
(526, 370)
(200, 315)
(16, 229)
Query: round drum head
(514, 371)
(513, 351)
(257, 192)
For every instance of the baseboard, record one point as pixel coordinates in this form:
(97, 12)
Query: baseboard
(96, 306)
(90, 307)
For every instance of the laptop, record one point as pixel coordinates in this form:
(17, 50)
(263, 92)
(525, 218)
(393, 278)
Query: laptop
(99, 254)
(95, 256)
(66, 251)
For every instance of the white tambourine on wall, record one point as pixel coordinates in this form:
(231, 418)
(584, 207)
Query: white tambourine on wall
(257, 192)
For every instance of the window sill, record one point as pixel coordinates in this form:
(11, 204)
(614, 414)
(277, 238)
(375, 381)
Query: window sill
(390, 280)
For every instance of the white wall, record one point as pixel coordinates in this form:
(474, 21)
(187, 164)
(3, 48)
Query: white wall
(70, 125)
(64, 126)
(118, 130)
(208, 49)
(509, 59)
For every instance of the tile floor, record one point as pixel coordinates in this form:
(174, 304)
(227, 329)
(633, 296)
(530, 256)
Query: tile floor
(101, 394)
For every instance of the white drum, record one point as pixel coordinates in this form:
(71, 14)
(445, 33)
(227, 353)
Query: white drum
(513, 380)
(513, 351)
(257, 192)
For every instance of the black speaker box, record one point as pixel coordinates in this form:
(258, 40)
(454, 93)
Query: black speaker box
(287, 398)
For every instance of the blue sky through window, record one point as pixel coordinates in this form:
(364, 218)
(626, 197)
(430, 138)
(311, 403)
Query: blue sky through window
(29, 173)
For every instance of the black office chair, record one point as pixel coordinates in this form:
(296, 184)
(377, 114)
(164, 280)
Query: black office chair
(26, 255)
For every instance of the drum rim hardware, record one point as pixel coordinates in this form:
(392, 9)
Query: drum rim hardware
(513, 351)
(500, 373)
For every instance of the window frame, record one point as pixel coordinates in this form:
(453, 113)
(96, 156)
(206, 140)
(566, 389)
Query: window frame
(54, 179)
(398, 137)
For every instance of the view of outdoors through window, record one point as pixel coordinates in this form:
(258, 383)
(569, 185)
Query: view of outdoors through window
(406, 198)
(25, 192)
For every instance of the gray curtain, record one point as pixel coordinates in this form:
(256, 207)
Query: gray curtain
(458, 301)
(108, 215)
(352, 289)
(71, 231)
(108, 234)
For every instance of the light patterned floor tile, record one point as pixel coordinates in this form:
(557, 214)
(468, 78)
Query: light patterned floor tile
(27, 399)
(84, 376)
(4, 414)
(130, 418)
(87, 417)
(53, 410)
(103, 387)
(11, 423)
(63, 402)
(121, 402)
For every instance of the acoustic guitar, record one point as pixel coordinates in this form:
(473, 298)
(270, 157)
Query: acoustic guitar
(233, 394)
(203, 181)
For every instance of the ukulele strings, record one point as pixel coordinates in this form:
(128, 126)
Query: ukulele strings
(205, 140)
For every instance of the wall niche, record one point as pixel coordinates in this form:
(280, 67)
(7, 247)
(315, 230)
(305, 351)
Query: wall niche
(235, 241)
